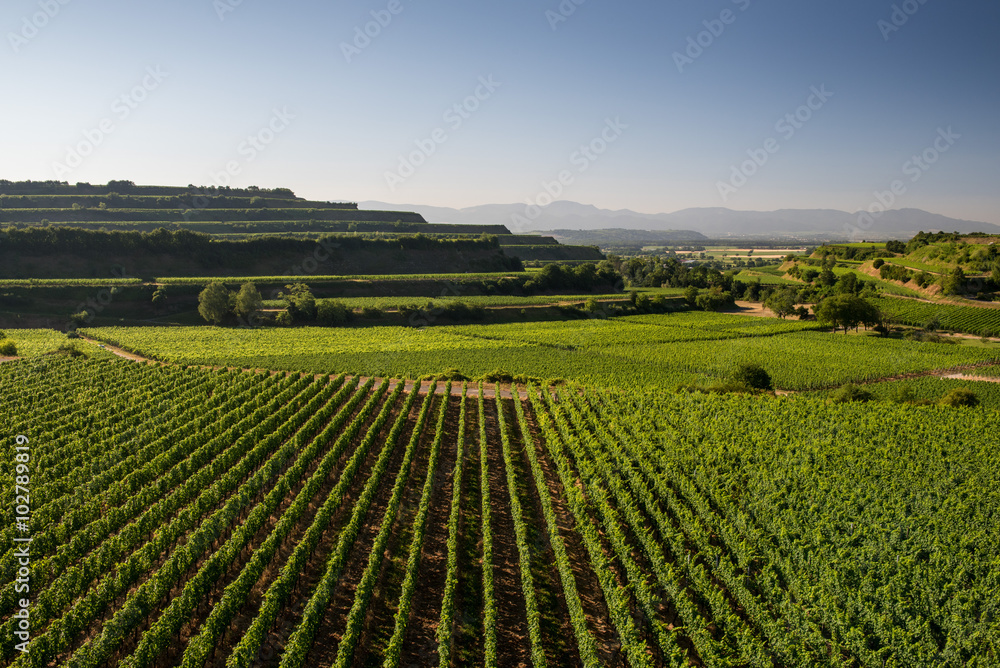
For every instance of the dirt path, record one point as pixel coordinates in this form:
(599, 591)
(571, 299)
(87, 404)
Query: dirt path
(980, 379)
(117, 351)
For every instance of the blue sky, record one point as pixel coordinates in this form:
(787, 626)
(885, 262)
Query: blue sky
(288, 94)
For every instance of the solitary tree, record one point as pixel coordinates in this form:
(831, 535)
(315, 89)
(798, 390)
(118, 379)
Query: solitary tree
(691, 295)
(752, 375)
(847, 284)
(827, 277)
(300, 303)
(782, 302)
(248, 300)
(955, 283)
(213, 303)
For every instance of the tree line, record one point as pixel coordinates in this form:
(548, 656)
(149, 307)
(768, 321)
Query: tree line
(117, 200)
(65, 239)
(129, 187)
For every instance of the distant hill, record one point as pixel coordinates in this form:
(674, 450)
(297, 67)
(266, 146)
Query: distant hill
(699, 223)
(251, 214)
(623, 237)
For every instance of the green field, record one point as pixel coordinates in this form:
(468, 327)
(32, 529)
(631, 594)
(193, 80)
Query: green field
(753, 275)
(649, 350)
(34, 342)
(65, 282)
(886, 287)
(992, 371)
(921, 266)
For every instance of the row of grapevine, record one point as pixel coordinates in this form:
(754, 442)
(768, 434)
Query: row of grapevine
(586, 643)
(969, 319)
(486, 511)
(124, 558)
(236, 593)
(446, 623)
(521, 538)
(394, 648)
(666, 642)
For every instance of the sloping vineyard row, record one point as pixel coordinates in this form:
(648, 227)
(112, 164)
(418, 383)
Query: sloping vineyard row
(970, 319)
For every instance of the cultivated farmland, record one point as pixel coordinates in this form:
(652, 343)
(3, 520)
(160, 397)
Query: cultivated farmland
(647, 350)
(216, 518)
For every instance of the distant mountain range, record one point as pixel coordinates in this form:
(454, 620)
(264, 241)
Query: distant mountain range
(696, 224)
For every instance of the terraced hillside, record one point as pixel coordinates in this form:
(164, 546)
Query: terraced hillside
(240, 214)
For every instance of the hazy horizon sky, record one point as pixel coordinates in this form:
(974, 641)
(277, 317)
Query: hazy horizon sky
(649, 106)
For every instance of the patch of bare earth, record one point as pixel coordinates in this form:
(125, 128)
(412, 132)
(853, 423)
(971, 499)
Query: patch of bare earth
(467, 633)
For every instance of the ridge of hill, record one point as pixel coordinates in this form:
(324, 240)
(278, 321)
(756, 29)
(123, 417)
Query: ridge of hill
(710, 222)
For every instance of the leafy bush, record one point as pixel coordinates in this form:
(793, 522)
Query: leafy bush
(960, 397)
(462, 311)
(753, 376)
(714, 300)
(851, 392)
(8, 348)
(501, 376)
(332, 312)
(68, 349)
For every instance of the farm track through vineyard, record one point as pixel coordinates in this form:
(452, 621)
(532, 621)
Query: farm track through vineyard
(227, 518)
